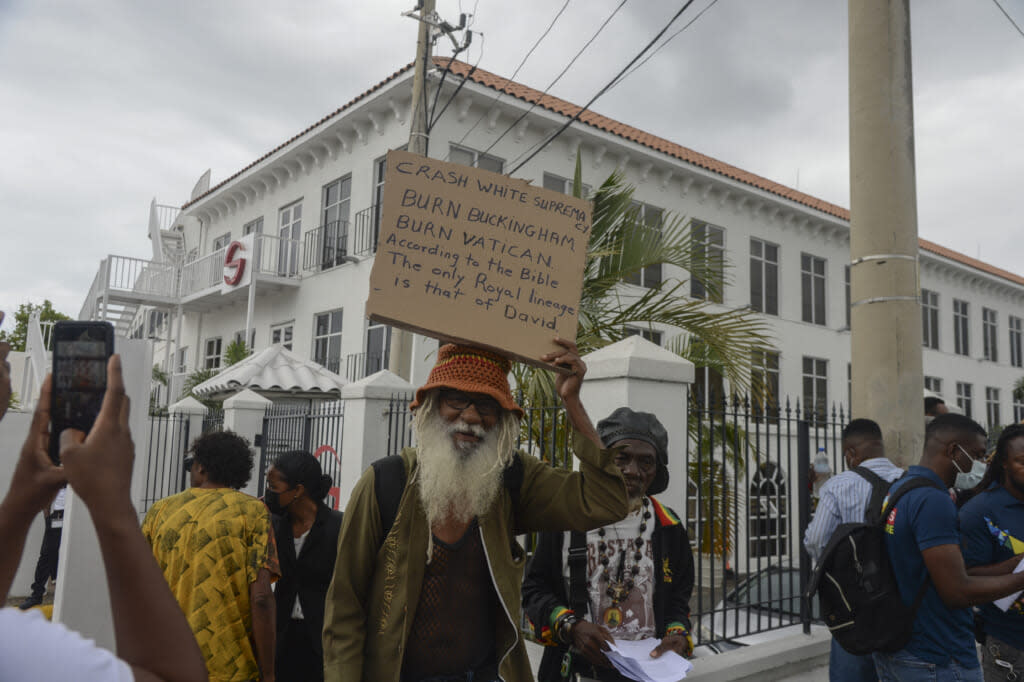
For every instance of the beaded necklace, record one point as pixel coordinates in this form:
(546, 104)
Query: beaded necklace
(624, 582)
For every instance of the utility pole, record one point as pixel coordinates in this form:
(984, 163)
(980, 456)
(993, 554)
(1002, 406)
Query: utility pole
(400, 353)
(885, 318)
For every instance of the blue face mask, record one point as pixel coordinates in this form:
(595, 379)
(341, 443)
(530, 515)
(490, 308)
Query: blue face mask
(965, 480)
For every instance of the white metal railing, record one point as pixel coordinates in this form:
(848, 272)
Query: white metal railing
(276, 256)
(140, 276)
(202, 273)
(166, 215)
(90, 305)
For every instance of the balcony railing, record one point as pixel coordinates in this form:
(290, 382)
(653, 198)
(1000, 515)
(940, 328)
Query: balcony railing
(326, 246)
(276, 256)
(360, 365)
(202, 273)
(367, 231)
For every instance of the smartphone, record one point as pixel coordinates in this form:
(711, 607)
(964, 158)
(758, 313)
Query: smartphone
(80, 354)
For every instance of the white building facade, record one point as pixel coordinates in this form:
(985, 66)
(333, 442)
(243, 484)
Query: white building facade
(313, 206)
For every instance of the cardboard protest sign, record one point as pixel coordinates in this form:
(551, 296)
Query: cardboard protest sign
(476, 257)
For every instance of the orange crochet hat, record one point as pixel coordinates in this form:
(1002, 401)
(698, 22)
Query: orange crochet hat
(473, 370)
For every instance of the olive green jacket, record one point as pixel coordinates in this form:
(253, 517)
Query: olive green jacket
(372, 599)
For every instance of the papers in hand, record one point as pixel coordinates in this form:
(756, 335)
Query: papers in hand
(633, 659)
(1006, 602)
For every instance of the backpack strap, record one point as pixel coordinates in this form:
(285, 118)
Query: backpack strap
(388, 486)
(578, 593)
(512, 479)
(879, 489)
(913, 483)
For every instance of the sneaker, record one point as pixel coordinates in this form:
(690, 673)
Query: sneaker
(30, 602)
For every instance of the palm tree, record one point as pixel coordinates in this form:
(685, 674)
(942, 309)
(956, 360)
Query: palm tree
(724, 340)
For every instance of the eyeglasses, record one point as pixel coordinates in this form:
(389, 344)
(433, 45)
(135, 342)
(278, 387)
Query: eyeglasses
(187, 462)
(485, 407)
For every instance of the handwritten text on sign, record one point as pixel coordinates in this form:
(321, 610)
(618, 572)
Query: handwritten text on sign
(475, 256)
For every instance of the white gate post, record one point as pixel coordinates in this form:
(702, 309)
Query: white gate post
(243, 414)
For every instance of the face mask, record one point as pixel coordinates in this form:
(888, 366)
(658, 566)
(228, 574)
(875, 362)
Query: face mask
(273, 501)
(967, 480)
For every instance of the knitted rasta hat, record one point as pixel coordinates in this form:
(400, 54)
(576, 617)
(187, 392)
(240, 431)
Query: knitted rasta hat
(623, 424)
(473, 370)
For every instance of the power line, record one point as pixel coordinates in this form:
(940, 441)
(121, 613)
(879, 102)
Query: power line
(514, 73)
(600, 92)
(559, 76)
(1008, 17)
(667, 41)
(465, 78)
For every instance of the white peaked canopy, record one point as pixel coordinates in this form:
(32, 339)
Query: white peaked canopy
(273, 371)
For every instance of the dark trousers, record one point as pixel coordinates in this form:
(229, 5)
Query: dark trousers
(46, 566)
(296, 660)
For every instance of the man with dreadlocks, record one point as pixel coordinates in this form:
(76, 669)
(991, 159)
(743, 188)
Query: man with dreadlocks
(992, 532)
(432, 592)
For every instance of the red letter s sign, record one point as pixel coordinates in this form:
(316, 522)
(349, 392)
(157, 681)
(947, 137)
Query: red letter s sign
(234, 265)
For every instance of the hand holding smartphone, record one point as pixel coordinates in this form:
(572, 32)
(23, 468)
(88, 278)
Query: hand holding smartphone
(80, 354)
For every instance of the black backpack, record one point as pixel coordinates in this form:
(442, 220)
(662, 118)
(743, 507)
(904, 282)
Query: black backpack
(860, 598)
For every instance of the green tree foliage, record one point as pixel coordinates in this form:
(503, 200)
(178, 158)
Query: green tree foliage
(194, 379)
(19, 334)
(236, 352)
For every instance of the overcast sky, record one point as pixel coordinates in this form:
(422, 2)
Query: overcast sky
(107, 104)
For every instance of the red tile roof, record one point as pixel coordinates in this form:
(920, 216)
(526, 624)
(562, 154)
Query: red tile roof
(595, 120)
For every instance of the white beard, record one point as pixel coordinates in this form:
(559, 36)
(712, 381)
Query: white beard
(458, 482)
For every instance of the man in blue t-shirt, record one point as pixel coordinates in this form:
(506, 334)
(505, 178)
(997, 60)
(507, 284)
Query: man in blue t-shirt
(992, 525)
(924, 544)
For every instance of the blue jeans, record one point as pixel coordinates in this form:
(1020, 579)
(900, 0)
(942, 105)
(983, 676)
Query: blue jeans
(846, 667)
(904, 667)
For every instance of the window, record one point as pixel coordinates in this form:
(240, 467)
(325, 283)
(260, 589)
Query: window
(470, 157)
(652, 335)
(289, 224)
(650, 217)
(327, 339)
(282, 334)
(378, 348)
(222, 241)
(815, 379)
(992, 407)
(1015, 341)
(333, 231)
(709, 258)
(988, 334)
(253, 227)
(764, 376)
(963, 397)
(768, 521)
(708, 388)
(930, 318)
(960, 323)
(812, 288)
(238, 336)
(563, 185)
(181, 361)
(764, 277)
(155, 323)
(211, 359)
(933, 384)
(1018, 410)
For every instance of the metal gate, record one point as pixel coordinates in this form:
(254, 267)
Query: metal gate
(165, 470)
(316, 429)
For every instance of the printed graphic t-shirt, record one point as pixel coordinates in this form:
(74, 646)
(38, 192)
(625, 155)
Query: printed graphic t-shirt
(637, 609)
(924, 518)
(211, 544)
(991, 525)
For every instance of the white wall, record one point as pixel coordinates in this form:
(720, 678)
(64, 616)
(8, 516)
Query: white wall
(13, 429)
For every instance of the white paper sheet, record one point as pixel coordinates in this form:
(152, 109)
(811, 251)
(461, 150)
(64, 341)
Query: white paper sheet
(633, 659)
(1007, 602)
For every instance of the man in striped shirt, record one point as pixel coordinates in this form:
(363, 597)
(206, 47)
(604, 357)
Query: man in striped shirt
(844, 499)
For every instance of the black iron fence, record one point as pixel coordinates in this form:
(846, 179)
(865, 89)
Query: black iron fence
(317, 429)
(165, 470)
(213, 421)
(747, 497)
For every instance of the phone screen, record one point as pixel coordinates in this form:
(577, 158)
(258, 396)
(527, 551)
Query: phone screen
(80, 354)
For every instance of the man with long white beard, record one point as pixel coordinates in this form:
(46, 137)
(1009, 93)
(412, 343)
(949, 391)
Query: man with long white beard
(436, 597)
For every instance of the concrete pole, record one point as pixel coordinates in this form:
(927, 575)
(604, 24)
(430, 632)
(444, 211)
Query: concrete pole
(400, 353)
(886, 315)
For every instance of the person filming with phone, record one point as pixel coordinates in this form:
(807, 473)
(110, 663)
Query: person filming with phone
(153, 639)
